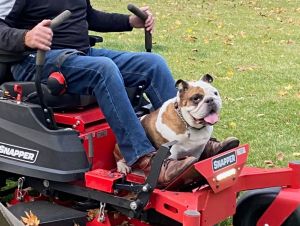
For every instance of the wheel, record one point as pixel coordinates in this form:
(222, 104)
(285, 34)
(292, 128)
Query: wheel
(251, 207)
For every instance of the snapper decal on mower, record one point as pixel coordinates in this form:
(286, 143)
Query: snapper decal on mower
(18, 153)
(223, 161)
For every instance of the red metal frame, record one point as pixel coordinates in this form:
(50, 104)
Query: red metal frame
(91, 122)
(205, 206)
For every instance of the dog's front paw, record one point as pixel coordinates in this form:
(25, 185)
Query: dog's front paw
(122, 167)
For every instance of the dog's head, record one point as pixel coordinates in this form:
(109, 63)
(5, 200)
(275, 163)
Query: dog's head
(199, 101)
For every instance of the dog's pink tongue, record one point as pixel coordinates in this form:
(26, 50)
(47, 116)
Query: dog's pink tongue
(212, 118)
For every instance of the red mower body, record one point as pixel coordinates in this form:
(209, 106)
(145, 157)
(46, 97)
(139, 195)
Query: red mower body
(211, 199)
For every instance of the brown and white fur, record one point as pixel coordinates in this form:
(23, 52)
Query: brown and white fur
(187, 118)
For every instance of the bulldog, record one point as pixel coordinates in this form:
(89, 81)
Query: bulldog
(187, 118)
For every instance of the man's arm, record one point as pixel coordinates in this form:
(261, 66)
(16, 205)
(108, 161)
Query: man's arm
(106, 22)
(16, 40)
(11, 39)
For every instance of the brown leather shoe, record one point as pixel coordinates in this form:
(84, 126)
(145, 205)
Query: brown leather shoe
(169, 170)
(214, 147)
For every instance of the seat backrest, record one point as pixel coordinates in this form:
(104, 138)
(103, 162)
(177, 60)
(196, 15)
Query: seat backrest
(4, 72)
(6, 58)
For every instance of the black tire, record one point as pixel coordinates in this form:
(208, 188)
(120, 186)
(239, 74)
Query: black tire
(252, 207)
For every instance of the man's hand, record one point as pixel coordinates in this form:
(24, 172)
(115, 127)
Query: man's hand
(136, 22)
(39, 37)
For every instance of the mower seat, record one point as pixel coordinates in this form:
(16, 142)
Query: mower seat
(65, 101)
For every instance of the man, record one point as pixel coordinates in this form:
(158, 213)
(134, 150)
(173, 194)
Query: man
(24, 27)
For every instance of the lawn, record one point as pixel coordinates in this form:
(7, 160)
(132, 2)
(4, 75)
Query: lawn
(252, 50)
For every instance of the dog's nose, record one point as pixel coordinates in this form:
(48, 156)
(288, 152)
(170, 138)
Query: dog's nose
(209, 100)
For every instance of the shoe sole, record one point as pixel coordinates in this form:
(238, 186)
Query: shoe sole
(230, 145)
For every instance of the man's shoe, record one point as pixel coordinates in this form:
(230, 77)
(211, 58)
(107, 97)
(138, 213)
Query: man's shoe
(170, 169)
(214, 147)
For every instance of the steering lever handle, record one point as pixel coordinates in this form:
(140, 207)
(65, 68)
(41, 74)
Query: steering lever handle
(143, 16)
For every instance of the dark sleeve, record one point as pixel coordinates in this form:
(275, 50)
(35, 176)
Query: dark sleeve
(11, 39)
(106, 22)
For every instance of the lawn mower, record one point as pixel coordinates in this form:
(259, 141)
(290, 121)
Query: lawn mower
(59, 152)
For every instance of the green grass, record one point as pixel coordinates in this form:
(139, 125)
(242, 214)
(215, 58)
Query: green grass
(251, 47)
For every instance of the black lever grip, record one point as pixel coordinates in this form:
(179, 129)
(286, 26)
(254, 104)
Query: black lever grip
(60, 19)
(40, 56)
(136, 11)
(143, 16)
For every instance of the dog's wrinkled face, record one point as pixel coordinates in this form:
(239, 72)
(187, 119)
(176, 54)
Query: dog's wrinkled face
(200, 102)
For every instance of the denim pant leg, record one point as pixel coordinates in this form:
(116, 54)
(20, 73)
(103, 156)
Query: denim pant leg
(101, 77)
(147, 67)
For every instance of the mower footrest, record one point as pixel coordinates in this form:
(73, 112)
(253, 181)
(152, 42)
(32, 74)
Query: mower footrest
(50, 214)
(102, 180)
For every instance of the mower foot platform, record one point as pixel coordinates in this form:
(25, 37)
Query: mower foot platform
(186, 180)
(50, 214)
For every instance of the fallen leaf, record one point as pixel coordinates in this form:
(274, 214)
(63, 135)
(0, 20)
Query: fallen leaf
(91, 214)
(206, 41)
(190, 38)
(262, 14)
(30, 219)
(243, 34)
(220, 25)
(232, 125)
(178, 22)
(243, 68)
(269, 163)
(290, 42)
(228, 40)
(288, 87)
(282, 93)
(189, 30)
(230, 73)
(280, 156)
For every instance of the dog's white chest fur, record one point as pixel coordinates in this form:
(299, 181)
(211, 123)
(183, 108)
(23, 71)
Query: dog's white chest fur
(189, 143)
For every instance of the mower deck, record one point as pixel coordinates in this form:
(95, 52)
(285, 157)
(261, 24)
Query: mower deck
(50, 214)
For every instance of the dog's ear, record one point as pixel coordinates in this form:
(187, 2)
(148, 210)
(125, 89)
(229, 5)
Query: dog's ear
(181, 85)
(207, 78)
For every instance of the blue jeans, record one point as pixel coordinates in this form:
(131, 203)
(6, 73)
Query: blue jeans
(104, 74)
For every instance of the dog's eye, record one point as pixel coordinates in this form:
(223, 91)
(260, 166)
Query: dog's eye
(216, 93)
(196, 98)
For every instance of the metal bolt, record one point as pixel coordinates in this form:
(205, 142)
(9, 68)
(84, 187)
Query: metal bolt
(48, 120)
(146, 188)
(133, 205)
(77, 123)
(45, 110)
(46, 183)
